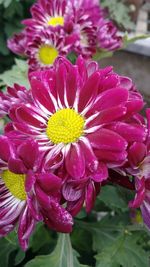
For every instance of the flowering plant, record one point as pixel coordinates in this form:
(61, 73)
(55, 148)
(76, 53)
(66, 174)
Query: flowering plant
(74, 147)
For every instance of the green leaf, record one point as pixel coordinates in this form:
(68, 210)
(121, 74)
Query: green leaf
(3, 48)
(18, 74)
(19, 257)
(100, 54)
(119, 12)
(111, 197)
(123, 252)
(104, 232)
(62, 256)
(40, 237)
(6, 248)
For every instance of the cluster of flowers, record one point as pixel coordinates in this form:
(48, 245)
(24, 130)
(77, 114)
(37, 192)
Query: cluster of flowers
(59, 27)
(77, 128)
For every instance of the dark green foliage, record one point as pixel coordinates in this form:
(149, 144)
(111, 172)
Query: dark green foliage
(11, 14)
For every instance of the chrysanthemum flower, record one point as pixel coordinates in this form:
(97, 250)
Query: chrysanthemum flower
(46, 47)
(86, 16)
(52, 13)
(138, 166)
(76, 112)
(14, 95)
(18, 43)
(28, 195)
(107, 36)
(83, 25)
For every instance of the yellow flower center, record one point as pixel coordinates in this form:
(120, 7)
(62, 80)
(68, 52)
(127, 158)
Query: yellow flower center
(15, 183)
(47, 54)
(65, 126)
(55, 21)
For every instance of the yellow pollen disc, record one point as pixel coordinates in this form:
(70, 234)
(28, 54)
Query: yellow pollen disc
(55, 21)
(47, 54)
(65, 126)
(15, 184)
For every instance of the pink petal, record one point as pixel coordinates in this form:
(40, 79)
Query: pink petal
(61, 76)
(136, 154)
(16, 165)
(140, 194)
(29, 147)
(91, 161)
(72, 85)
(108, 115)
(26, 227)
(107, 140)
(70, 192)
(75, 207)
(6, 148)
(27, 115)
(41, 95)
(30, 181)
(111, 98)
(101, 174)
(75, 161)
(111, 156)
(90, 197)
(58, 218)
(131, 132)
(49, 183)
(89, 91)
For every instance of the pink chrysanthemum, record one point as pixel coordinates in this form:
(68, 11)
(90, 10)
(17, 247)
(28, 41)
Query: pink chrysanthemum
(83, 118)
(46, 46)
(28, 195)
(14, 95)
(107, 36)
(86, 16)
(83, 25)
(138, 165)
(18, 43)
(52, 13)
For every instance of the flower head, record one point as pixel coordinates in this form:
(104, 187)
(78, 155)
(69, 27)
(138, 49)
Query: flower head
(107, 36)
(80, 117)
(14, 95)
(18, 43)
(52, 13)
(26, 192)
(80, 24)
(46, 47)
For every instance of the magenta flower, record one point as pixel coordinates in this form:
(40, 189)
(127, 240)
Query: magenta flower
(139, 154)
(107, 36)
(138, 165)
(80, 117)
(21, 179)
(18, 43)
(52, 13)
(59, 23)
(14, 95)
(46, 47)
(86, 16)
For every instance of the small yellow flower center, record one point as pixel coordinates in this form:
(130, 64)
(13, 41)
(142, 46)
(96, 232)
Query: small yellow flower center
(47, 54)
(15, 184)
(65, 126)
(55, 21)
